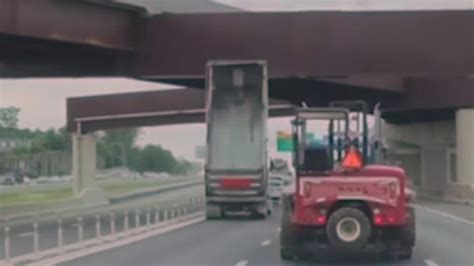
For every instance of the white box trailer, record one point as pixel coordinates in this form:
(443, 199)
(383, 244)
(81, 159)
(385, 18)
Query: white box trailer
(236, 169)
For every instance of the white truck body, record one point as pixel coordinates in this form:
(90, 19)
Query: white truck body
(236, 117)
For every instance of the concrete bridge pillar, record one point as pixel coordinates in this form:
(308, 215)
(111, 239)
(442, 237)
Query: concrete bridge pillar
(465, 146)
(84, 168)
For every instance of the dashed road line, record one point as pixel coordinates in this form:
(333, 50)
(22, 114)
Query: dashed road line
(242, 263)
(266, 243)
(431, 263)
(444, 214)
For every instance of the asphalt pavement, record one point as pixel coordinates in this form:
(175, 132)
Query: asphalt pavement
(441, 240)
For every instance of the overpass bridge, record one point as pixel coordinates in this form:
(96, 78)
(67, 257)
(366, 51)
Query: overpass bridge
(418, 64)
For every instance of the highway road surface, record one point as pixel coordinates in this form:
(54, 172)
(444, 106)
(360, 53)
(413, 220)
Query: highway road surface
(443, 239)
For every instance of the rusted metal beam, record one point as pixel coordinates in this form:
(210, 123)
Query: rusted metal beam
(425, 100)
(73, 22)
(430, 99)
(311, 44)
(137, 109)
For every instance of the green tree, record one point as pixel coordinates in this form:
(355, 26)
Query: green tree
(115, 146)
(51, 140)
(9, 117)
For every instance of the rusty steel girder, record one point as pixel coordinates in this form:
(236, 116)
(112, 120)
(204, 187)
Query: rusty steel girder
(73, 22)
(151, 108)
(319, 44)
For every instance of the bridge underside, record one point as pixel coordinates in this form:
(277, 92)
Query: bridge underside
(413, 62)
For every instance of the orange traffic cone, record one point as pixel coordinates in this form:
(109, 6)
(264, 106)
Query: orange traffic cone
(353, 159)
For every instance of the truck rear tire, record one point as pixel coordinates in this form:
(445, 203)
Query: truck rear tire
(288, 237)
(348, 228)
(287, 254)
(408, 232)
(213, 211)
(401, 254)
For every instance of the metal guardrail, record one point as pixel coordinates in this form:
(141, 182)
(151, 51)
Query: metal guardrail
(146, 216)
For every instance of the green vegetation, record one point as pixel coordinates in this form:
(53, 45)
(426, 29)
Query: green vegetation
(124, 188)
(16, 198)
(115, 148)
(9, 117)
(59, 194)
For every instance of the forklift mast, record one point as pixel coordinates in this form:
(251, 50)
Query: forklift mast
(360, 110)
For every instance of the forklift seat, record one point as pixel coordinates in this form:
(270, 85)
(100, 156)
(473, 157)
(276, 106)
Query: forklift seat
(317, 159)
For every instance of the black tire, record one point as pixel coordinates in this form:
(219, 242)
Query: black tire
(287, 254)
(356, 216)
(408, 232)
(406, 254)
(402, 254)
(288, 234)
(259, 216)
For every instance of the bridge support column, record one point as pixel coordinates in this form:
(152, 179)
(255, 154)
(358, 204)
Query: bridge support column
(465, 146)
(84, 168)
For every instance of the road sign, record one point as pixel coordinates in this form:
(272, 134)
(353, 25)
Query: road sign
(285, 141)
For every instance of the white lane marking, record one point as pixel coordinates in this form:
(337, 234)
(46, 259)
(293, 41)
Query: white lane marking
(26, 234)
(242, 263)
(444, 214)
(266, 243)
(431, 263)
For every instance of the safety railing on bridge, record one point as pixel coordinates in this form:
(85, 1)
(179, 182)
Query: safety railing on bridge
(92, 226)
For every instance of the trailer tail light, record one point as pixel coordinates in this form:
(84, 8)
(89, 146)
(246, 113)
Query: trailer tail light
(321, 220)
(236, 183)
(378, 219)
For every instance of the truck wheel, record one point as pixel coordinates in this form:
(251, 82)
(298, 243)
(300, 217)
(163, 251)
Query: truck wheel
(408, 232)
(348, 228)
(258, 214)
(261, 211)
(287, 253)
(288, 237)
(402, 254)
(213, 211)
(406, 254)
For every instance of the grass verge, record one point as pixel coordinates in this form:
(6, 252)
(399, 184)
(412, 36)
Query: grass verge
(59, 194)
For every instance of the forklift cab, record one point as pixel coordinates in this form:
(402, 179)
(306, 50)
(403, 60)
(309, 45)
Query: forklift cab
(321, 158)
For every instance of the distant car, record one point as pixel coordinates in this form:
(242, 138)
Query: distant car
(275, 188)
(43, 180)
(7, 181)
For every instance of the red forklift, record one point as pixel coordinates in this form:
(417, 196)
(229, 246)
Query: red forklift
(340, 201)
